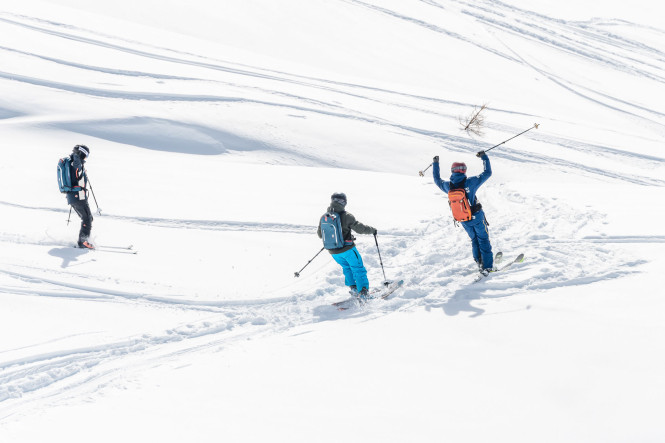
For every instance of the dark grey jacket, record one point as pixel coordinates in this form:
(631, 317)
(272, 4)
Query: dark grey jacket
(77, 173)
(349, 223)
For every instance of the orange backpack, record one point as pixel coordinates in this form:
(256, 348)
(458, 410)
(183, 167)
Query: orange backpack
(459, 205)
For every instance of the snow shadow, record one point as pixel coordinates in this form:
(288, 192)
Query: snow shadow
(8, 113)
(68, 255)
(165, 135)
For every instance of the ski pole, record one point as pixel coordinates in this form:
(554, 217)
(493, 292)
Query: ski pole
(422, 173)
(297, 274)
(70, 215)
(99, 211)
(385, 280)
(535, 125)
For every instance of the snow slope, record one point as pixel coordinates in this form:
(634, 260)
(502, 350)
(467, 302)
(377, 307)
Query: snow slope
(218, 133)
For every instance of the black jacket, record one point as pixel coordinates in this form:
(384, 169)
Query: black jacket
(77, 174)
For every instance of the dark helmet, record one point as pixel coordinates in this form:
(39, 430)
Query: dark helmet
(339, 197)
(82, 150)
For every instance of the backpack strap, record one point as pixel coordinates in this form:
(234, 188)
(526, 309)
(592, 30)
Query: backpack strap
(347, 241)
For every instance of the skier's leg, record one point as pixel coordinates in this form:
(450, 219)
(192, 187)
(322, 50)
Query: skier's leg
(82, 208)
(346, 268)
(86, 222)
(358, 268)
(483, 236)
(475, 249)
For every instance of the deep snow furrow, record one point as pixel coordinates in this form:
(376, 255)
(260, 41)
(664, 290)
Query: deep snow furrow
(77, 291)
(623, 63)
(120, 72)
(438, 268)
(464, 146)
(142, 53)
(434, 265)
(430, 26)
(36, 372)
(579, 38)
(32, 377)
(157, 76)
(303, 81)
(205, 225)
(343, 113)
(577, 90)
(208, 225)
(300, 80)
(317, 84)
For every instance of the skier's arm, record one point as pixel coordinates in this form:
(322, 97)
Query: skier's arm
(359, 227)
(318, 231)
(436, 173)
(77, 164)
(487, 171)
(79, 172)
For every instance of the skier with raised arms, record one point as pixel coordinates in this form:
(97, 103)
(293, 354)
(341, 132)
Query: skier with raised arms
(466, 209)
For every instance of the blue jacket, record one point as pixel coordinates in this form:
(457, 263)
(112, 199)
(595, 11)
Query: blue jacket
(472, 183)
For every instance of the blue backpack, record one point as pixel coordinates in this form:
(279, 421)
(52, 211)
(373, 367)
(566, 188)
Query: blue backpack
(331, 230)
(64, 176)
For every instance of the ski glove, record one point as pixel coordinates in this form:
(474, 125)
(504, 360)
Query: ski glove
(436, 159)
(481, 154)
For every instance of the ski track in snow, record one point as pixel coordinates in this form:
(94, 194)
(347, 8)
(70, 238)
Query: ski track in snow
(604, 47)
(212, 225)
(433, 280)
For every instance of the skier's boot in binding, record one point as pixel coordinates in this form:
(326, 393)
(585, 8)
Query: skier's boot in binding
(85, 245)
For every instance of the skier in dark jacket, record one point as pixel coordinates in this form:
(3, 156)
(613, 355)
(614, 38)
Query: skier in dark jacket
(348, 257)
(477, 226)
(79, 199)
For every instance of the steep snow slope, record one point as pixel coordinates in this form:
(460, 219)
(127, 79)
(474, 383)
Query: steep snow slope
(218, 134)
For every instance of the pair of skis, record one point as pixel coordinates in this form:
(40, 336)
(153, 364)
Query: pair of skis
(498, 258)
(117, 249)
(385, 291)
(381, 292)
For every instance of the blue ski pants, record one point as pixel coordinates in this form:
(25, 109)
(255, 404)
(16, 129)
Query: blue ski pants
(353, 267)
(480, 240)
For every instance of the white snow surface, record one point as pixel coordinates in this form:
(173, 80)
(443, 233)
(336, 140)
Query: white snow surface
(218, 132)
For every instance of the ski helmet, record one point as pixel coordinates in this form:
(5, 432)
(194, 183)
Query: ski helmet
(82, 150)
(458, 167)
(339, 197)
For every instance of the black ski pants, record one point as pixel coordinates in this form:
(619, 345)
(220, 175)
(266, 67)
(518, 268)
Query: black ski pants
(82, 208)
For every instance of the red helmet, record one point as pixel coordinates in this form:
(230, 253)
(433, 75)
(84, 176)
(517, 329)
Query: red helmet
(458, 167)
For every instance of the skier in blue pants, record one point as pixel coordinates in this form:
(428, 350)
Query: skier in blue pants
(355, 274)
(476, 228)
